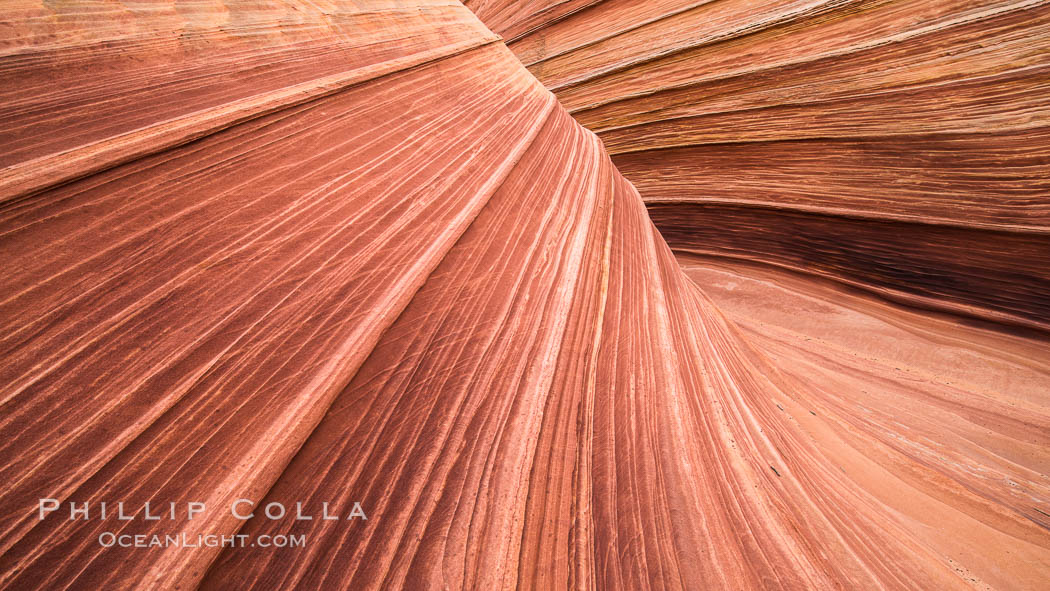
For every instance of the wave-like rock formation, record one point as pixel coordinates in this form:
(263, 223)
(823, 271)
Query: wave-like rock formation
(899, 146)
(329, 253)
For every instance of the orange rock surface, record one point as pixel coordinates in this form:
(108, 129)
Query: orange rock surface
(814, 135)
(322, 254)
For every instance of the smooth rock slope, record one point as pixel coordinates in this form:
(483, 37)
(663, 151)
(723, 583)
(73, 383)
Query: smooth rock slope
(354, 252)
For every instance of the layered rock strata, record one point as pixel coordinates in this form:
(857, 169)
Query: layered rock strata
(816, 132)
(356, 253)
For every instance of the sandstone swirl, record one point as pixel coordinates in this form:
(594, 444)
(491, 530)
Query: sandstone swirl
(339, 252)
(902, 147)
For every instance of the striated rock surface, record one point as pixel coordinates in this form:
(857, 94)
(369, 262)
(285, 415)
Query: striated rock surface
(902, 146)
(309, 253)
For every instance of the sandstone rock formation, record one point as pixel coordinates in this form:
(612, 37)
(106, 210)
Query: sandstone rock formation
(815, 135)
(340, 252)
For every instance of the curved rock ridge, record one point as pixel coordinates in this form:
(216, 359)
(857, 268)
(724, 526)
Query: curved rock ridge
(320, 255)
(862, 126)
(173, 73)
